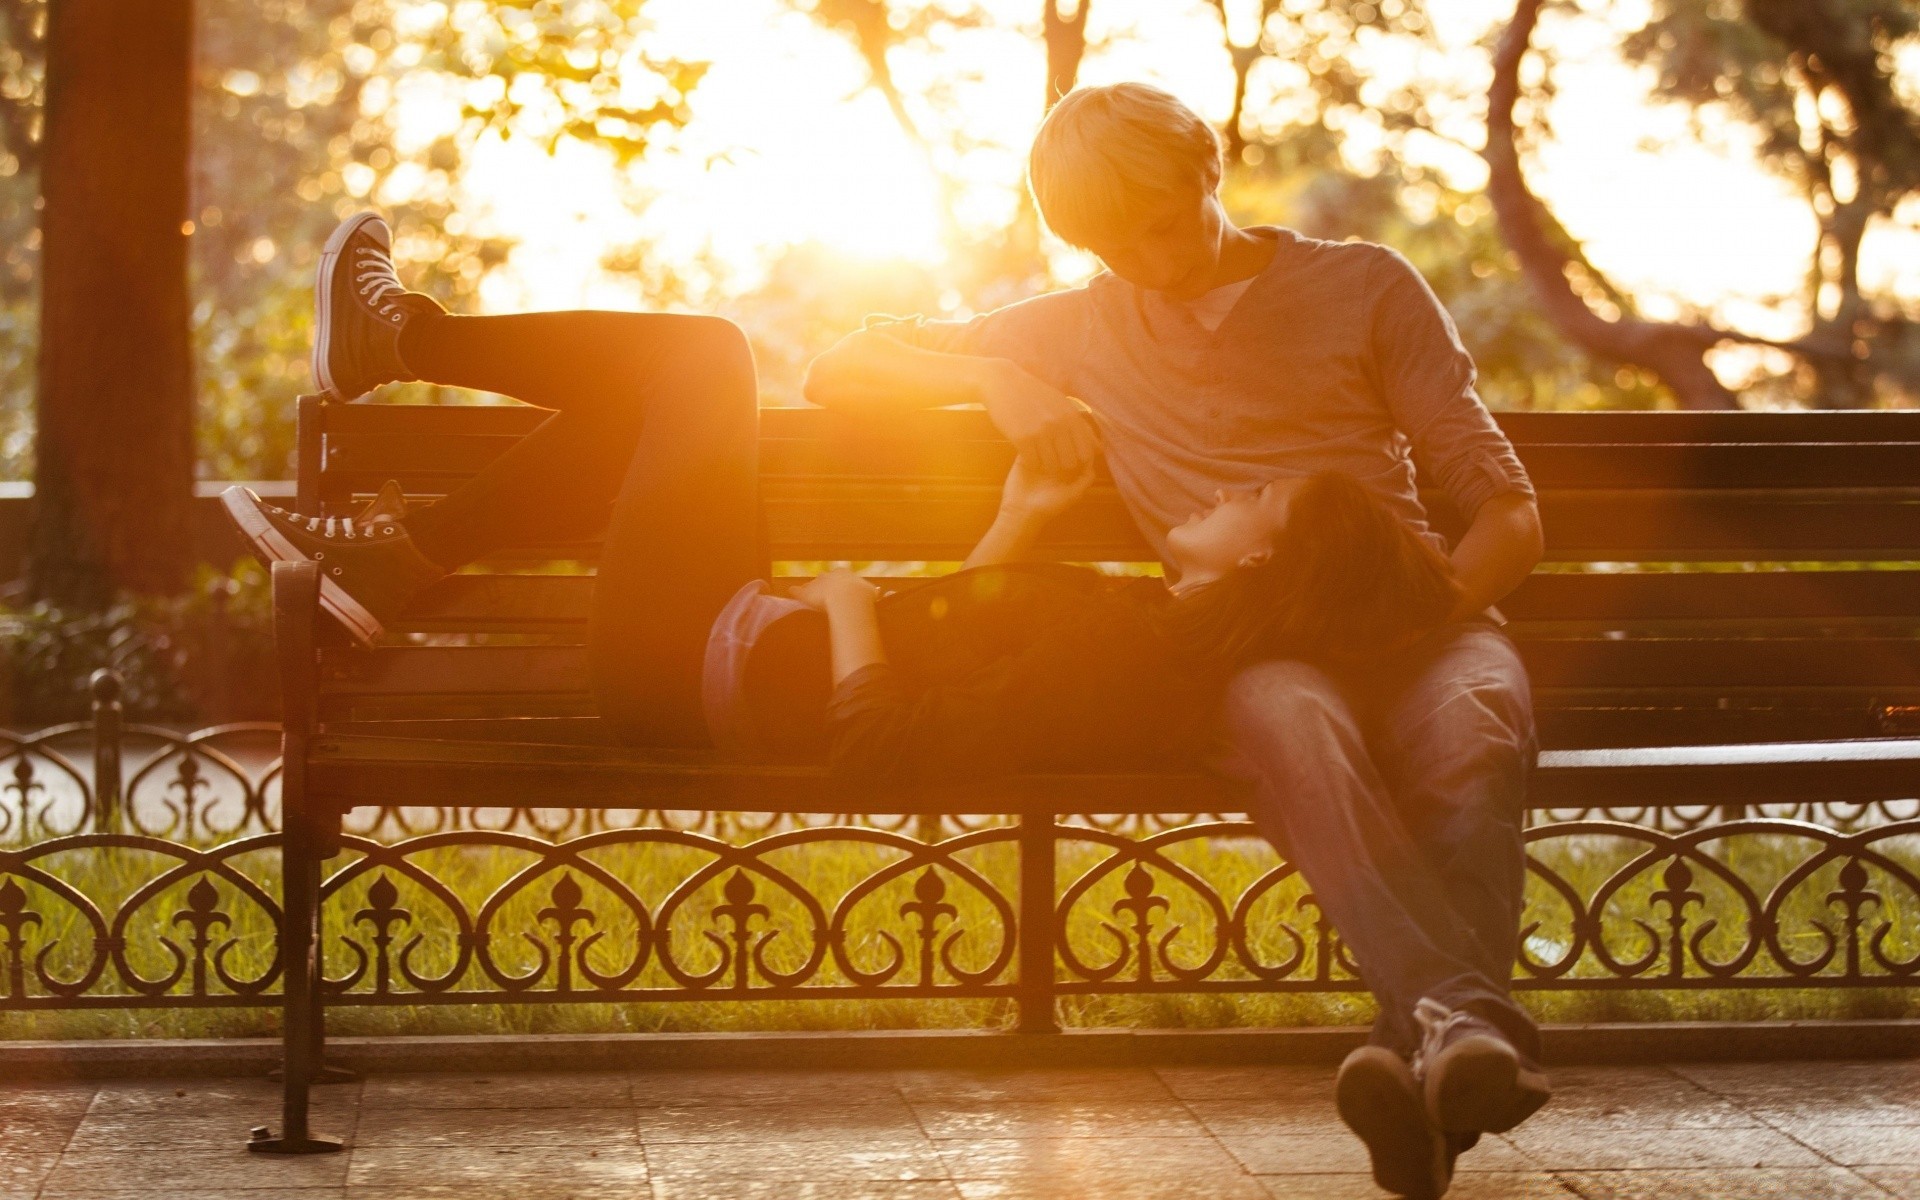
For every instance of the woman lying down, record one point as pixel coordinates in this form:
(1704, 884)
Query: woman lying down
(1005, 666)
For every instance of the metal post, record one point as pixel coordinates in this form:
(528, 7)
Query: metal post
(106, 688)
(296, 592)
(299, 918)
(1037, 934)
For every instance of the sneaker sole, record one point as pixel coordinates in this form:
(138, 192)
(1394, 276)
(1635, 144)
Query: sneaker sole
(1477, 1085)
(243, 509)
(1384, 1110)
(323, 302)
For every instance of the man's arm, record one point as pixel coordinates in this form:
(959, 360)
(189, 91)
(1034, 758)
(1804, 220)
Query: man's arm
(1498, 551)
(874, 373)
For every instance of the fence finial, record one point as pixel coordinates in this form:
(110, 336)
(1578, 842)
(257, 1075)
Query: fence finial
(106, 687)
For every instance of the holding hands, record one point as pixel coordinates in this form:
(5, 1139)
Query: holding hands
(1041, 495)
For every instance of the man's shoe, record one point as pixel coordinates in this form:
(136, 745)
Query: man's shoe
(1379, 1099)
(1472, 1078)
(368, 572)
(360, 306)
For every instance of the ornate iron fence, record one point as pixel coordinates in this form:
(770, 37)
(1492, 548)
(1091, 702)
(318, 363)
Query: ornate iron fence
(139, 868)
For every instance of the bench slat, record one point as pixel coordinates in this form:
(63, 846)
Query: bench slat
(866, 521)
(1627, 663)
(537, 603)
(430, 465)
(373, 770)
(1524, 428)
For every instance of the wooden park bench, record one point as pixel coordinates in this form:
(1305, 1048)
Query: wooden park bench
(1726, 687)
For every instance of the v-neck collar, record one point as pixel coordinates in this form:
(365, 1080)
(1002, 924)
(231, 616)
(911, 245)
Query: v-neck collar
(1180, 311)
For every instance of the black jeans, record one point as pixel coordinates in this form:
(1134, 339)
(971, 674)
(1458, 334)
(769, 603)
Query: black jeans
(654, 432)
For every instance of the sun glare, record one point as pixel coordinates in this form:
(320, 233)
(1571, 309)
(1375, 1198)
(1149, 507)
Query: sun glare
(790, 147)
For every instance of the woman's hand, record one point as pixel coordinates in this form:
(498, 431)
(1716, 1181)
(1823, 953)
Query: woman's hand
(835, 589)
(853, 628)
(1031, 492)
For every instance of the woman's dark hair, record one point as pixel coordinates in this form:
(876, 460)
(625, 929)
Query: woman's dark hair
(1347, 582)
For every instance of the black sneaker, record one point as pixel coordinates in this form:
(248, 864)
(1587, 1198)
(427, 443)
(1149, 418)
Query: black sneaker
(368, 571)
(1379, 1099)
(360, 306)
(1472, 1078)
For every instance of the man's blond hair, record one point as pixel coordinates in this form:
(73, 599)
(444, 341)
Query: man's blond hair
(1106, 156)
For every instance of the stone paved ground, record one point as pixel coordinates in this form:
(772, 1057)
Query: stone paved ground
(1799, 1131)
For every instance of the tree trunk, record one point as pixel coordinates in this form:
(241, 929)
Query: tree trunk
(1066, 38)
(114, 440)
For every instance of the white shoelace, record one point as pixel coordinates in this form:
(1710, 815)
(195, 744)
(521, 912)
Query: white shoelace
(1436, 1021)
(336, 527)
(377, 281)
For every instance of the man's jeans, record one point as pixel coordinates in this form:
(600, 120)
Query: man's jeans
(1399, 792)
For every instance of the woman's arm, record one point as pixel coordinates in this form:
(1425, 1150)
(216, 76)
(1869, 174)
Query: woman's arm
(852, 629)
(1028, 502)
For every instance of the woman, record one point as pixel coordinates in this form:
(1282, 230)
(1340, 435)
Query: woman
(1004, 666)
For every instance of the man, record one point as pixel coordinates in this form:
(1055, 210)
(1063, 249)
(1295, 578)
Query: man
(1210, 360)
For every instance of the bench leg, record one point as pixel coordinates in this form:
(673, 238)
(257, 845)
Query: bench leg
(299, 943)
(1035, 997)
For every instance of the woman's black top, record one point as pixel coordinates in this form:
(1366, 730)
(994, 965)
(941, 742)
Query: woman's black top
(990, 671)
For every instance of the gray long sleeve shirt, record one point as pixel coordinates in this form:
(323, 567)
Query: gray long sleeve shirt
(1338, 357)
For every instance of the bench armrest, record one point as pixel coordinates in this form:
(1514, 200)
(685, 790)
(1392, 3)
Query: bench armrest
(296, 615)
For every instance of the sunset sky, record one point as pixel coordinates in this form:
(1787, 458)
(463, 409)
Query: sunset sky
(788, 146)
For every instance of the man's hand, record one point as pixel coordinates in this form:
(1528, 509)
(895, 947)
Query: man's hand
(1033, 494)
(1048, 429)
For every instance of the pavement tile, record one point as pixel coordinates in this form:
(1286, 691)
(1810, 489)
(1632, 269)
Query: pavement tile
(1822, 1183)
(1249, 1083)
(1467, 1185)
(496, 1127)
(1863, 1145)
(24, 1167)
(175, 1193)
(558, 1089)
(1649, 1096)
(205, 1126)
(1320, 1187)
(38, 1129)
(1881, 1093)
(1299, 1154)
(209, 1169)
(1601, 1149)
(1097, 1085)
(1289, 1153)
(1903, 1182)
(773, 1123)
(785, 1189)
(1123, 1159)
(499, 1172)
(21, 1099)
(871, 1159)
(1251, 1118)
(1063, 1119)
(1106, 1187)
(261, 1096)
(669, 1089)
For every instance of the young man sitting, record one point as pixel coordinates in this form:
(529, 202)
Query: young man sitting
(1211, 360)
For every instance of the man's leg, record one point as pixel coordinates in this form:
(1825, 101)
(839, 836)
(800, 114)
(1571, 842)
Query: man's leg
(1455, 740)
(1295, 735)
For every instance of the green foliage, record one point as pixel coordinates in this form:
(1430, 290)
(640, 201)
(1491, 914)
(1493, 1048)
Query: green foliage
(207, 653)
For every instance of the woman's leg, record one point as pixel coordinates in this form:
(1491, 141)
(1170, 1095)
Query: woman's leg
(656, 417)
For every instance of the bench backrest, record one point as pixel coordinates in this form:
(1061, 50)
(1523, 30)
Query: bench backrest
(1743, 650)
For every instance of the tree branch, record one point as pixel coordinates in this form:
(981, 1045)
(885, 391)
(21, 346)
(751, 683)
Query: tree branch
(1673, 351)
